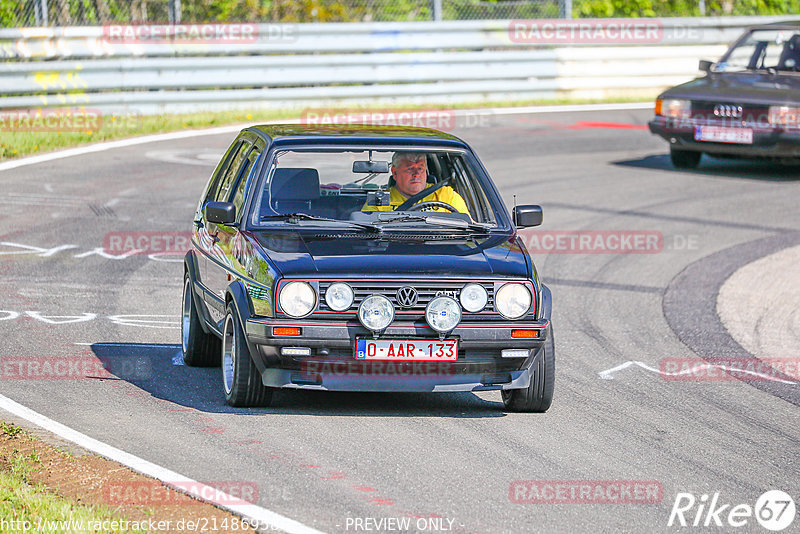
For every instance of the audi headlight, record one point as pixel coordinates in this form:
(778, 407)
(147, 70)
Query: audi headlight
(339, 296)
(376, 312)
(673, 108)
(297, 299)
(784, 116)
(512, 300)
(443, 313)
(473, 297)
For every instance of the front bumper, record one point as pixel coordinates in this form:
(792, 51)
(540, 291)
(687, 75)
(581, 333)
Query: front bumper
(332, 364)
(768, 141)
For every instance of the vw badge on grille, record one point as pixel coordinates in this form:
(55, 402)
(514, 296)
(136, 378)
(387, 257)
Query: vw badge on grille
(407, 297)
(728, 111)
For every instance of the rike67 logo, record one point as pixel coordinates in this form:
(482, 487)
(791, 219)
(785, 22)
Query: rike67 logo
(774, 510)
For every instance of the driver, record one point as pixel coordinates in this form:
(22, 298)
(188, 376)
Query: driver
(409, 177)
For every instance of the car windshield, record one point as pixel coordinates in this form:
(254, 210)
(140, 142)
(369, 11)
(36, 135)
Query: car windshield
(371, 188)
(777, 49)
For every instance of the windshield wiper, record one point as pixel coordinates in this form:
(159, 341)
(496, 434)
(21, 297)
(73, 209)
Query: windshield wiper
(295, 218)
(440, 221)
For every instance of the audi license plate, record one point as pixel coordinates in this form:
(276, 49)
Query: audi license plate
(717, 134)
(407, 349)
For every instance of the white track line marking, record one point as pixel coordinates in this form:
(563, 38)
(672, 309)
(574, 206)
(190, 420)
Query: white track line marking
(607, 374)
(122, 143)
(265, 518)
(133, 141)
(566, 108)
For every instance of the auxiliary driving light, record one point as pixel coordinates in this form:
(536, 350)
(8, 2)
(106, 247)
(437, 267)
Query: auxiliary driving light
(295, 351)
(443, 314)
(473, 297)
(339, 296)
(514, 353)
(376, 312)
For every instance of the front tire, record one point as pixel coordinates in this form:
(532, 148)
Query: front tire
(199, 349)
(241, 381)
(538, 396)
(685, 159)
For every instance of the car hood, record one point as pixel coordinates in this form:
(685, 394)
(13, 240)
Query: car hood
(308, 253)
(742, 87)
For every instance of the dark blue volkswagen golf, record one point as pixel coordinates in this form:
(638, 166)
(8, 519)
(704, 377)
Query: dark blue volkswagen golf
(363, 258)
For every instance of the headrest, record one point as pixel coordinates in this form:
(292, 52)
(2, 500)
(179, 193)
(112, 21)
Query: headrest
(295, 184)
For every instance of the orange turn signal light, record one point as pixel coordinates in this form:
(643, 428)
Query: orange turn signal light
(285, 331)
(527, 334)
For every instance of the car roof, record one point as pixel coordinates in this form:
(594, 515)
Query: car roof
(786, 24)
(354, 134)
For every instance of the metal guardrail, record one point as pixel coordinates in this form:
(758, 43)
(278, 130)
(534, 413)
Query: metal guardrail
(314, 64)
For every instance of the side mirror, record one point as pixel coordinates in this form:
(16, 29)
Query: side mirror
(527, 215)
(705, 65)
(220, 212)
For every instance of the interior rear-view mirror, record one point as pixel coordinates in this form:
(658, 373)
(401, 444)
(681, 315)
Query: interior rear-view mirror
(369, 167)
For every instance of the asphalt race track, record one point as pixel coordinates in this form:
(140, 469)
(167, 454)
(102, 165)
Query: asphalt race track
(335, 461)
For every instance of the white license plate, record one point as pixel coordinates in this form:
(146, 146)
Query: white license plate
(718, 134)
(407, 349)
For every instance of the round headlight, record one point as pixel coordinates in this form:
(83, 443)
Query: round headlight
(339, 296)
(443, 313)
(376, 312)
(473, 297)
(512, 300)
(297, 299)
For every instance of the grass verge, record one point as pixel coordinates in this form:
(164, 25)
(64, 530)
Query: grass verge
(28, 507)
(45, 489)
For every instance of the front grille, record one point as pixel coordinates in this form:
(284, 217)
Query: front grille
(426, 291)
(750, 113)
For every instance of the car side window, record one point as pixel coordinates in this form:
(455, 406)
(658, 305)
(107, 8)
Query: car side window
(238, 196)
(219, 172)
(223, 193)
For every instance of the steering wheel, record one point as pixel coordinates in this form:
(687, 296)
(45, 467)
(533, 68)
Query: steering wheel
(432, 204)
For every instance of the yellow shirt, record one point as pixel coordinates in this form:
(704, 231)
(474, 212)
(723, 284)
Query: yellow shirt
(444, 194)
